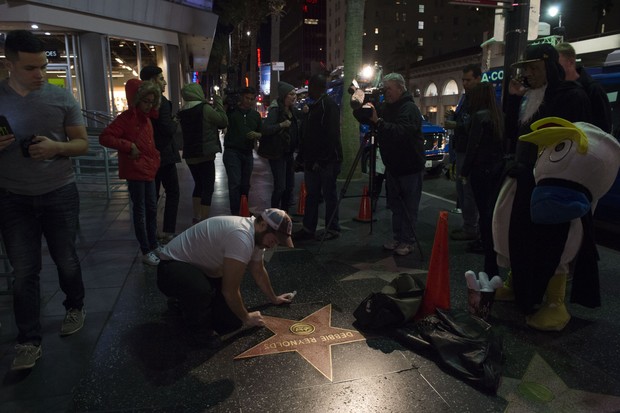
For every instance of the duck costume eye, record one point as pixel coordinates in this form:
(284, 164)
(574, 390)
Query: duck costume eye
(560, 150)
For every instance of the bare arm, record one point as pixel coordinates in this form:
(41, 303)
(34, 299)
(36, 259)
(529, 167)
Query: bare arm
(261, 277)
(46, 148)
(231, 283)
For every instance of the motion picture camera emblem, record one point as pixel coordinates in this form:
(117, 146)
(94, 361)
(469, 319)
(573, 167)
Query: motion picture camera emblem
(302, 329)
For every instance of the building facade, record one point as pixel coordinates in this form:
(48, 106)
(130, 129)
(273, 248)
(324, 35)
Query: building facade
(95, 47)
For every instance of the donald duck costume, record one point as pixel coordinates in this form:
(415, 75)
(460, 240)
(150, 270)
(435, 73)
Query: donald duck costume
(577, 165)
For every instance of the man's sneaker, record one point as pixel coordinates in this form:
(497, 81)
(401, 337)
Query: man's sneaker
(27, 355)
(303, 235)
(404, 249)
(461, 235)
(73, 322)
(391, 245)
(150, 258)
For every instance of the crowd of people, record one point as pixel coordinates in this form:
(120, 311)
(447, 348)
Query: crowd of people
(200, 270)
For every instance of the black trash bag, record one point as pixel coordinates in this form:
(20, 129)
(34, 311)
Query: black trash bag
(465, 344)
(395, 305)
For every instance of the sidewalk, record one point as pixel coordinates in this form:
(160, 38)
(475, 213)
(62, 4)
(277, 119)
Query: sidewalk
(133, 356)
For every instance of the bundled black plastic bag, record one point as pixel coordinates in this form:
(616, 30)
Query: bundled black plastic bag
(395, 305)
(465, 344)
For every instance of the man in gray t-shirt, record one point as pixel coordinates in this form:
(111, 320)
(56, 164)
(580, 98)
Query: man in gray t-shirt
(38, 194)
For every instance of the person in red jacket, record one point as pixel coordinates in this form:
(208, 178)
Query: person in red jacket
(131, 134)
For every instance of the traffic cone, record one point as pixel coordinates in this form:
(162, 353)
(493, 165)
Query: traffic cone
(437, 292)
(301, 204)
(364, 214)
(244, 211)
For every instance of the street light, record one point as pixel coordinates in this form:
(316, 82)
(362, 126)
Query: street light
(555, 11)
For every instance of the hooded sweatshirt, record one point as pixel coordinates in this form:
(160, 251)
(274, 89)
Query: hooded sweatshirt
(134, 127)
(200, 123)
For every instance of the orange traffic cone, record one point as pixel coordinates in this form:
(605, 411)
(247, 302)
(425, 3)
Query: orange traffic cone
(437, 292)
(244, 211)
(364, 214)
(301, 204)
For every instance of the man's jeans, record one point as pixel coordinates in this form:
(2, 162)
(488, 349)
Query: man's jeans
(167, 177)
(283, 171)
(239, 171)
(23, 220)
(404, 193)
(144, 208)
(466, 198)
(321, 180)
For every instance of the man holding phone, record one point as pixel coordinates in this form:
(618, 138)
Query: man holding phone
(38, 193)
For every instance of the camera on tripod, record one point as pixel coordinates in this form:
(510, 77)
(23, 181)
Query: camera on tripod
(360, 99)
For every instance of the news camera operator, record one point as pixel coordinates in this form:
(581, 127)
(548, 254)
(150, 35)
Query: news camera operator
(398, 127)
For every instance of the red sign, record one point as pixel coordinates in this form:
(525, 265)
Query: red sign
(481, 3)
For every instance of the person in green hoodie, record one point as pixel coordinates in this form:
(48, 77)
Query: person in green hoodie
(200, 124)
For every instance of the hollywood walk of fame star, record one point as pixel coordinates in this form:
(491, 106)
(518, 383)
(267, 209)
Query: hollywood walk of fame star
(541, 389)
(385, 269)
(312, 337)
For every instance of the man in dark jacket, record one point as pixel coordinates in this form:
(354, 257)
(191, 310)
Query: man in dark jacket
(320, 153)
(164, 128)
(599, 102)
(398, 124)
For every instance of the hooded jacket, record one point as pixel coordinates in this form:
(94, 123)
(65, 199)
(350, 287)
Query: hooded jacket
(200, 123)
(134, 126)
(400, 138)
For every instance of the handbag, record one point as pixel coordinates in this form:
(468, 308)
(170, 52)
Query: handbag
(397, 303)
(274, 146)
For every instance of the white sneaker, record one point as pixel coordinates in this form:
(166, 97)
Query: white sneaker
(404, 249)
(150, 258)
(391, 245)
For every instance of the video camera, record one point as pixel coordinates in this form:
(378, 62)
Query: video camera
(361, 97)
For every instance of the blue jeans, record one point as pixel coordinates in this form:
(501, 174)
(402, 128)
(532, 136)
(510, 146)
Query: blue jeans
(283, 171)
(321, 180)
(404, 193)
(144, 208)
(24, 220)
(238, 166)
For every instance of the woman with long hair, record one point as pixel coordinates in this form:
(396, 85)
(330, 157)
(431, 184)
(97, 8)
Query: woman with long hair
(484, 161)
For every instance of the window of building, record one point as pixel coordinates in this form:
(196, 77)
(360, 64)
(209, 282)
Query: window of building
(420, 25)
(376, 47)
(421, 8)
(311, 21)
(451, 88)
(397, 16)
(376, 30)
(404, 17)
(421, 41)
(431, 90)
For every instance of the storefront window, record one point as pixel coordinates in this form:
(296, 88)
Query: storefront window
(127, 57)
(62, 61)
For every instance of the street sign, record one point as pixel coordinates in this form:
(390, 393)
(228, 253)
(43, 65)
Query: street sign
(277, 66)
(482, 3)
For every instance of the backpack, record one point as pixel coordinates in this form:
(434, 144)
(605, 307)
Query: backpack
(396, 304)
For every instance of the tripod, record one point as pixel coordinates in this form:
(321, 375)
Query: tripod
(370, 137)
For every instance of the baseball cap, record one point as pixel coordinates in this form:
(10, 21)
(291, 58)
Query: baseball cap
(281, 223)
(537, 52)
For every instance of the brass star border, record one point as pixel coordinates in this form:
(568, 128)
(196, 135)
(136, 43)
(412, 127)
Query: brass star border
(312, 337)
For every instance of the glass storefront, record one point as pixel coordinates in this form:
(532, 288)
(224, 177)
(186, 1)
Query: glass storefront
(62, 62)
(126, 59)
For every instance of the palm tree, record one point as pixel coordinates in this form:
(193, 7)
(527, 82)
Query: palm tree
(352, 64)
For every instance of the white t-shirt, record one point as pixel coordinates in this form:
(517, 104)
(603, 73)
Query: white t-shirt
(207, 243)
